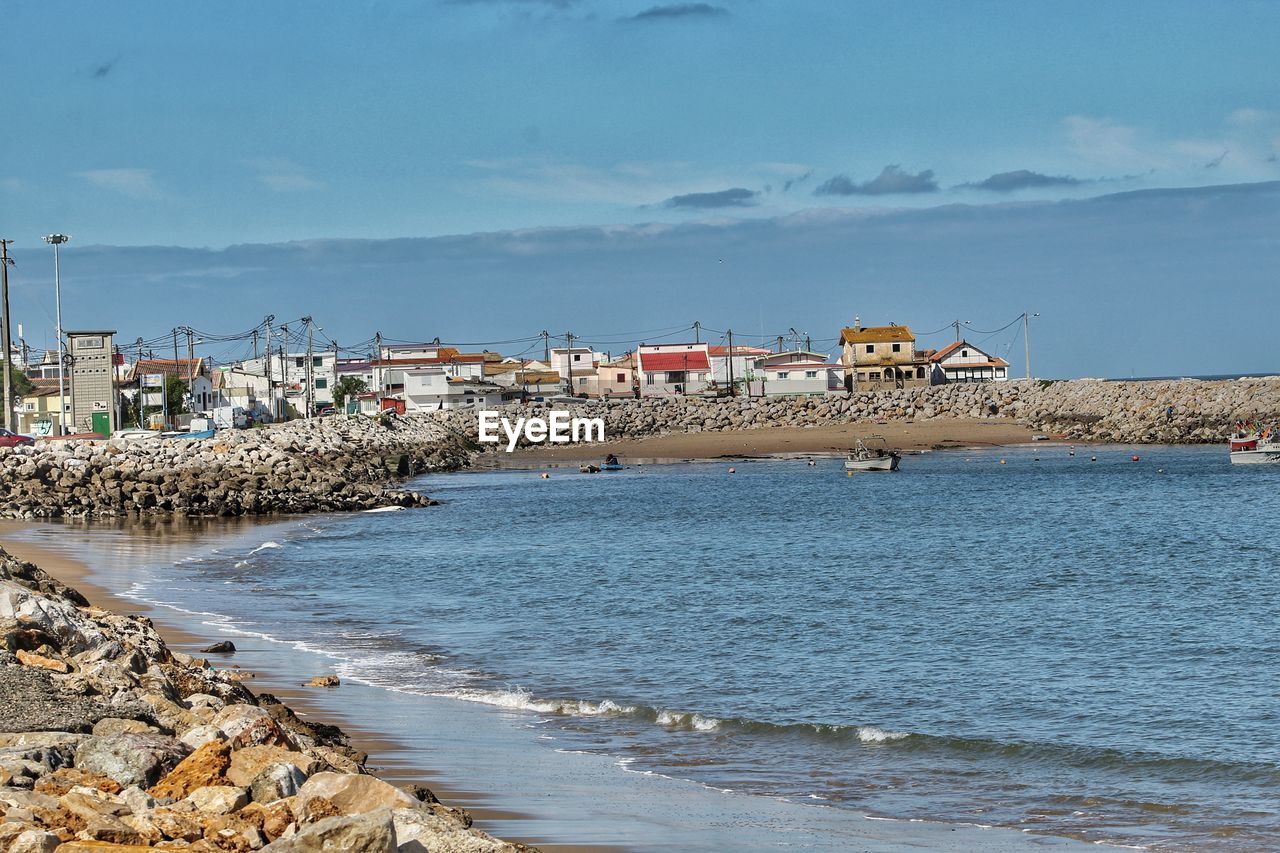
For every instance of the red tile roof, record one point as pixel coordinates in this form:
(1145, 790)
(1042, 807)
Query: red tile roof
(662, 361)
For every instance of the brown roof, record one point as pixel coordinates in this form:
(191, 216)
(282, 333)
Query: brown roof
(181, 368)
(876, 334)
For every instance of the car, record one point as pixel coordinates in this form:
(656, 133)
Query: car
(13, 439)
(328, 410)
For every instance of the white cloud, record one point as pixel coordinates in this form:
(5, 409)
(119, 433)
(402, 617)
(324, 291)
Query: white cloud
(281, 175)
(135, 183)
(1240, 150)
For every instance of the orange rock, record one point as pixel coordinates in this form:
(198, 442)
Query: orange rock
(202, 768)
(33, 659)
(63, 779)
(104, 847)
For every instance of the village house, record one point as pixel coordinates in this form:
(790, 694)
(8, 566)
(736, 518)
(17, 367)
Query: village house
(742, 360)
(41, 410)
(882, 357)
(963, 362)
(796, 372)
(432, 388)
(193, 372)
(668, 370)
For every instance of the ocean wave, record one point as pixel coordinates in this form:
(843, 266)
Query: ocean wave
(266, 546)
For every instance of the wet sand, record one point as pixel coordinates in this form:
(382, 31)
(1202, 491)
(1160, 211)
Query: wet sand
(836, 439)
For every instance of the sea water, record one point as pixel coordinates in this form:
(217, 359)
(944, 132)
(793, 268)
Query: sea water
(1069, 643)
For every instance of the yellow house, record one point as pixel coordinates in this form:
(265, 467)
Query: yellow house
(40, 413)
(877, 357)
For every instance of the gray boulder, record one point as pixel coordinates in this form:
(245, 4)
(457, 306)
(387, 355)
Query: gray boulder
(371, 832)
(131, 759)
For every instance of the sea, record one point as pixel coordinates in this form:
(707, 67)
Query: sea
(1074, 642)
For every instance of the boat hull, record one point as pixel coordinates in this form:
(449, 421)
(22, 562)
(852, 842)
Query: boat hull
(1255, 457)
(881, 463)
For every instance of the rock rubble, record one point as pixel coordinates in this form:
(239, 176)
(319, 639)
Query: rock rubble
(128, 746)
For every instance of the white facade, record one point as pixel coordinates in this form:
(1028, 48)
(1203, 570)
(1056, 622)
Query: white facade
(963, 362)
(801, 377)
(583, 360)
(432, 388)
(291, 373)
(743, 361)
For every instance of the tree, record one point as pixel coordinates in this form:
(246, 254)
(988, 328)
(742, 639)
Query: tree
(347, 386)
(22, 385)
(175, 394)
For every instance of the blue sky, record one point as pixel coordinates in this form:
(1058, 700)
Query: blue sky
(216, 125)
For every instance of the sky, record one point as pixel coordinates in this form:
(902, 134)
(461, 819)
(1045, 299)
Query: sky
(480, 170)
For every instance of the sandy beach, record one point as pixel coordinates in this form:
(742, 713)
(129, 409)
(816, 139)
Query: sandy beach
(836, 439)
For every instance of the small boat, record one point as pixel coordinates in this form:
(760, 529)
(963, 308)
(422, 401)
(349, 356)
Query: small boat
(1258, 447)
(204, 433)
(611, 463)
(863, 458)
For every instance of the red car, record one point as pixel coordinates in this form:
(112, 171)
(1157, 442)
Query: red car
(13, 439)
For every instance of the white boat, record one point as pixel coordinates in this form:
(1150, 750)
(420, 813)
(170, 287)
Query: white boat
(863, 458)
(1260, 448)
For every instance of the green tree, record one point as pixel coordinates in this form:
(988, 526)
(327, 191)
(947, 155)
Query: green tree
(175, 392)
(347, 386)
(22, 385)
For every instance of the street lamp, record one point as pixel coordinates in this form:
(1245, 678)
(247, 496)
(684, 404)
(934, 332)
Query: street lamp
(57, 240)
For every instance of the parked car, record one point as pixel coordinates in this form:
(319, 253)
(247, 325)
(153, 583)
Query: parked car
(328, 410)
(13, 439)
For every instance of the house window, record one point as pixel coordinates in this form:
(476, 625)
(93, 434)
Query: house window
(811, 374)
(317, 361)
(782, 374)
(322, 382)
(577, 356)
(999, 371)
(874, 376)
(964, 353)
(622, 377)
(298, 362)
(897, 347)
(919, 373)
(871, 348)
(648, 379)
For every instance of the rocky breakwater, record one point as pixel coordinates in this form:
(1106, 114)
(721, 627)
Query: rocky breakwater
(1082, 410)
(112, 742)
(325, 464)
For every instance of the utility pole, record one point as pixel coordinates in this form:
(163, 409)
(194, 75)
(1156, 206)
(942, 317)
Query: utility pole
(697, 332)
(1026, 337)
(779, 343)
(731, 363)
(546, 346)
(334, 387)
(956, 323)
(266, 370)
(568, 336)
(284, 368)
(377, 342)
(311, 373)
(5, 261)
(142, 400)
(255, 344)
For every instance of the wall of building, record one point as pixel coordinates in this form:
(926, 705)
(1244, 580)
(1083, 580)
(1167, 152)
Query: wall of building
(92, 380)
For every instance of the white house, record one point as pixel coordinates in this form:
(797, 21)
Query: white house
(801, 377)
(582, 361)
(667, 370)
(430, 388)
(963, 362)
(743, 360)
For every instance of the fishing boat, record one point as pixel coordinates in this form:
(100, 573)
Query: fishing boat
(1254, 447)
(863, 458)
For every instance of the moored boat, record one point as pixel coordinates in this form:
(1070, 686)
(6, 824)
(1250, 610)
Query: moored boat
(1254, 447)
(863, 458)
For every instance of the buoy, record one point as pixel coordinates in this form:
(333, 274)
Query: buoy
(1134, 457)
(1037, 459)
(733, 470)
(811, 462)
(848, 473)
(1093, 459)
(1159, 470)
(546, 476)
(1001, 461)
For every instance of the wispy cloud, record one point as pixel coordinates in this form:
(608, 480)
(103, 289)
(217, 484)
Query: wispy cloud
(135, 183)
(679, 10)
(892, 180)
(1021, 179)
(283, 176)
(735, 197)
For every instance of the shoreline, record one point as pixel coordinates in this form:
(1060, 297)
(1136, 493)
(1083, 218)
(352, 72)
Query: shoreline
(780, 442)
(287, 687)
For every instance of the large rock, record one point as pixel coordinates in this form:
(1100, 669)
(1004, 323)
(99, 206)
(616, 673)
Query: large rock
(421, 831)
(371, 832)
(35, 841)
(219, 799)
(354, 794)
(131, 759)
(208, 765)
(247, 763)
(275, 782)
